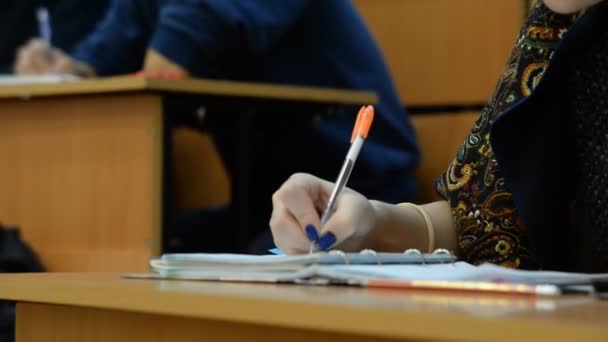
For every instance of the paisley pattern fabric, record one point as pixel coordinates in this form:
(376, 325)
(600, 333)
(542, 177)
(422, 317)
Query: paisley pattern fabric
(488, 225)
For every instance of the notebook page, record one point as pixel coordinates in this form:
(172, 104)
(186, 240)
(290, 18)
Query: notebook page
(538, 277)
(227, 259)
(252, 275)
(453, 272)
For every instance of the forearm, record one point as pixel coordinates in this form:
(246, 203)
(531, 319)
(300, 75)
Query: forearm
(399, 228)
(569, 6)
(118, 43)
(83, 69)
(156, 62)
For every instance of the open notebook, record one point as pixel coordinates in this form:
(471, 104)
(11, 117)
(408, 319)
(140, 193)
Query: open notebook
(279, 268)
(350, 269)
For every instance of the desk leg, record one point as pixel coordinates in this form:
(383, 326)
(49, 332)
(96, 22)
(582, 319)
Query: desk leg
(47, 322)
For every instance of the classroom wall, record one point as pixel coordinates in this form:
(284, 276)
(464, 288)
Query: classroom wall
(444, 52)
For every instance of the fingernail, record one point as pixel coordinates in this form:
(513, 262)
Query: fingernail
(327, 240)
(311, 233)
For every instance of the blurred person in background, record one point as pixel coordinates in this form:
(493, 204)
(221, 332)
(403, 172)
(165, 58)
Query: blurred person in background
(298, 42)
(72, 21)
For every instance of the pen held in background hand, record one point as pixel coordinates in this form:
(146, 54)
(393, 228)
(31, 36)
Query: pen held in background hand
(360, 132)
(44, 28)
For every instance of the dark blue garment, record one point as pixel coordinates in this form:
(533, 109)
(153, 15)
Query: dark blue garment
(297, 42)
(71, 21)
(537, 147)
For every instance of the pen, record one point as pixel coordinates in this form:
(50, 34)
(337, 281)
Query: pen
(44, 28)
(365, 117)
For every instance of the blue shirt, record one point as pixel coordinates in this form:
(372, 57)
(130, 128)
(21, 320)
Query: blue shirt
(297, 42)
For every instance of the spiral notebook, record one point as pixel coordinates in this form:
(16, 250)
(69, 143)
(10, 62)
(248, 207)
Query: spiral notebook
(366, 268)
(280, 268)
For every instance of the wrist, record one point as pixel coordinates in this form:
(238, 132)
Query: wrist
(398, 228)
(376, 234)
(428, 223)
(84, 70)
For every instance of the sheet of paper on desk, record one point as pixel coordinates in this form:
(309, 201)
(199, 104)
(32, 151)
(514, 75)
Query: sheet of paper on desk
(457, 271)
(12, 80)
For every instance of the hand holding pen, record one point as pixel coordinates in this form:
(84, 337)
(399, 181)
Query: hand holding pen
(360, 132)
(346, 218)
(39, 57)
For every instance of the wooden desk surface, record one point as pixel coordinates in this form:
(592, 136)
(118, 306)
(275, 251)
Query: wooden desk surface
(192, 86)
(377, 313)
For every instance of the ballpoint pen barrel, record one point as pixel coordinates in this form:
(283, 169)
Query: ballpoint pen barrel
(343, 176)
(44, 27)
(345, 172)
(360, 132)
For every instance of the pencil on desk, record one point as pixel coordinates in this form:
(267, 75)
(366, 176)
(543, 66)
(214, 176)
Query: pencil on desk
(466, 286)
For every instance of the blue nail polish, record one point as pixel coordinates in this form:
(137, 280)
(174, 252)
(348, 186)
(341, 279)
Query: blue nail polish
(327, 240)
(311, 233)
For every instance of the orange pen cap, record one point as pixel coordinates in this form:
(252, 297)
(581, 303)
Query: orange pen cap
(363, 123)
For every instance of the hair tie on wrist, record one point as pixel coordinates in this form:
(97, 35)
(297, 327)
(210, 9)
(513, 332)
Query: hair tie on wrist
(427, 220)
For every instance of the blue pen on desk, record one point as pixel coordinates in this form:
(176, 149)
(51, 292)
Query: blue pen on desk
(360, 132)
(44, 28)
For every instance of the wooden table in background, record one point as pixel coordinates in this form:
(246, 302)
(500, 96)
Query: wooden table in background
(84, 163)
(104, 307)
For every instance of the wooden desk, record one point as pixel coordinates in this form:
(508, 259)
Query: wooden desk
(84, 164)
(103, 307)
